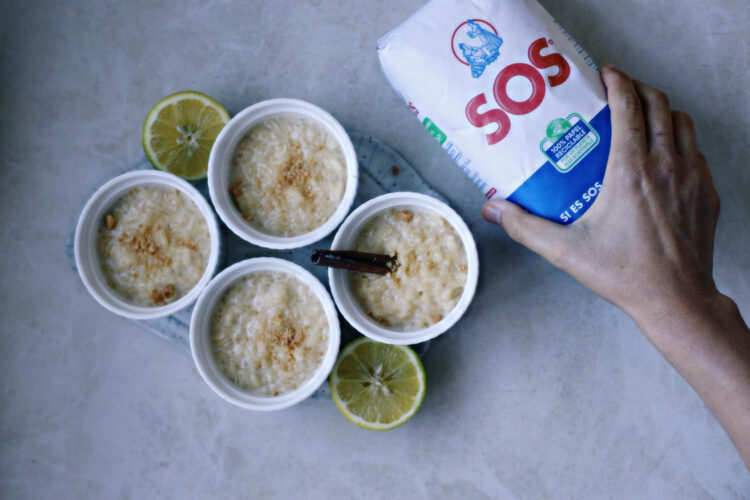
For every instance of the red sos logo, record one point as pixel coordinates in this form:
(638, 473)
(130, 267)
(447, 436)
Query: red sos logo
(508, 105)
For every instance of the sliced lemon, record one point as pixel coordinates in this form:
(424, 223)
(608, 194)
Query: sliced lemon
(179, 131)
(378, 386)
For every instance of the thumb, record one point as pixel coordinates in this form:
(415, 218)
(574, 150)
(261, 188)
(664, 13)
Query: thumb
(552, 241)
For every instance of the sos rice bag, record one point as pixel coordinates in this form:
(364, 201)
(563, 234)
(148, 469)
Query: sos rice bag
(510, 96)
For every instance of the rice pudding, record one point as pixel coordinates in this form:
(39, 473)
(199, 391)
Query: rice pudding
(288, 176)
(431, 272)
(269, 333)
(153, 245)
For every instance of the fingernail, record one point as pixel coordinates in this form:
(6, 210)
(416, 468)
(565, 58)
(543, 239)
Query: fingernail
(493, 210)
(611, 67)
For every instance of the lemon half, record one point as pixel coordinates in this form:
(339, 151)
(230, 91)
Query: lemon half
(179, 132)
(378, 386)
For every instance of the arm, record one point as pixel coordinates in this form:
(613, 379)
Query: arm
(646, 246)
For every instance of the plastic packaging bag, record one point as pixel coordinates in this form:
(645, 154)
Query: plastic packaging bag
(510, 96)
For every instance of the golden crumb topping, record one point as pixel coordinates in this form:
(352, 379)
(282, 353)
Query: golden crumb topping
(287, 336)
(159, 297)
(405, 215)
(110, 222)
(296, 172)
(143, 243)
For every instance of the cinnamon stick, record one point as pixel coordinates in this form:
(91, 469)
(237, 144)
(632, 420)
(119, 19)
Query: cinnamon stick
(351, 260)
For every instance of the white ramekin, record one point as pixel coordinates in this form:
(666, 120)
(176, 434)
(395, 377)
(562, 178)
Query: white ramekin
(339, 280)
(200, 333)
(87, 255)
(219, 163)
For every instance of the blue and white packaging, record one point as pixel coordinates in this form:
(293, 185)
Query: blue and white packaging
(510, 96)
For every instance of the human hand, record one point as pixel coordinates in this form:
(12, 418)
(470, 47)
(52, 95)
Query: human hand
(646, 244)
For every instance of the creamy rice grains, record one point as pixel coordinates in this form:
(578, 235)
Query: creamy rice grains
(269, 332)
(288, 176)
(431, 271)
(153, 245)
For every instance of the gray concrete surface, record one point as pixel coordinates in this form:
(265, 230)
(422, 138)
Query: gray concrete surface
(542, 391)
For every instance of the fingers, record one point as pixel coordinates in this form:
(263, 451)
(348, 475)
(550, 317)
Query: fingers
(684, 134)
(687, 148)
(550, 240)
(658, 118)
(628, 126)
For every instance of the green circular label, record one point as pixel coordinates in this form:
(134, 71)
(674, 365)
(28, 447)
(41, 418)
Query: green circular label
(557, 128)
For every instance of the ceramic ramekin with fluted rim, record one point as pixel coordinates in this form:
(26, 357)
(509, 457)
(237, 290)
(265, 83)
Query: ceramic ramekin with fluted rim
(220, 160)
(340, 285)
(87, 255)
(200, 333)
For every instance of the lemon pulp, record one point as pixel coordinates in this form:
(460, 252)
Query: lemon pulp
(378, 386)
(179, 132)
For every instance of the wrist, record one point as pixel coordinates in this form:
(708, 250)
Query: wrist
(688, 306)
(691, 323)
